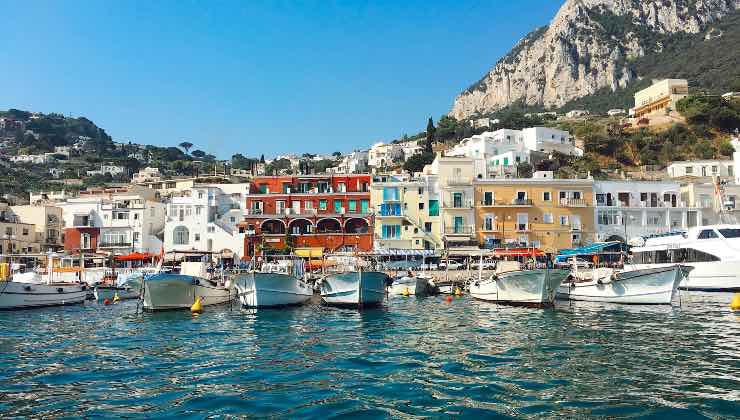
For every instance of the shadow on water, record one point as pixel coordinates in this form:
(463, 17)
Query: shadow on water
(411, 356)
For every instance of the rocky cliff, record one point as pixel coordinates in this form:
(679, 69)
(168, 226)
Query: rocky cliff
(587, 46)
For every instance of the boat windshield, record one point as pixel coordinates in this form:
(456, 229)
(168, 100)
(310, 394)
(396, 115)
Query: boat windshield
(730, 233)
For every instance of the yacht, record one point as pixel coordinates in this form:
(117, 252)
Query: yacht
(277, 283)
(713, 251)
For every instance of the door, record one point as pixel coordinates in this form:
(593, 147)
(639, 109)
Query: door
(296, 207)
(364, 206)
(459, 224)
(280, 207)
(457, 199)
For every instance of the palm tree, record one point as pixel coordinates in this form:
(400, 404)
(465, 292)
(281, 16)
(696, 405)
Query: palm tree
(186, 145)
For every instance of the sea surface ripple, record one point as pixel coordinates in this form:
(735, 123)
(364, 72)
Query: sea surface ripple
(412, 357)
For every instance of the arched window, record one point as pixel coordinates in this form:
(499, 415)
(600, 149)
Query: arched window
(180, 236)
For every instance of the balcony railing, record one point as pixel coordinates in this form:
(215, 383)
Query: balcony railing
(459, 230)
(573, 202)
(463, 204)
(459, 181)
(115, 244)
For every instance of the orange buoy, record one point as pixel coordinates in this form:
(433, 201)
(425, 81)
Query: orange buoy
(106, 301)
(449, 298)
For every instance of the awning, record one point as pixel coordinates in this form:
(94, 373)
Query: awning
(315, 252)
(518, 252)
(136, 256)
(596, 248)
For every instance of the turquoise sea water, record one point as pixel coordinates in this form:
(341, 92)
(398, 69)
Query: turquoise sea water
(411, 357)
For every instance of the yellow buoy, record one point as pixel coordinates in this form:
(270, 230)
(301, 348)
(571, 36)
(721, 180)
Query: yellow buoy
(197, 307)
(458, 292)
(116, 298)
(406, 292)
(735, 303)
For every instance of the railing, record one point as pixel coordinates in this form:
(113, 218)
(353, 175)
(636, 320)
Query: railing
(573, 202)
(115, 244)
(463, 204)
(459, 230)
(522, 227)
(459, 181)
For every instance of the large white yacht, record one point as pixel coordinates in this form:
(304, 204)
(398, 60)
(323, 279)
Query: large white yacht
(713, 251)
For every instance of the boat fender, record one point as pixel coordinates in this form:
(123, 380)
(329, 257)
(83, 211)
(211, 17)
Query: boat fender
(116, 299)
(735, 303)
(197, 307)
(27, 288)
(458, 292)
(60, 290)
(406, 292)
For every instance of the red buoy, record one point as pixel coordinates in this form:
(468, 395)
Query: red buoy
(106, 302)
(449, 298)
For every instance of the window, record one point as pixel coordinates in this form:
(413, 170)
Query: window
(714, 169)
(197, 237)
(600, 199)
(211, 229)
(198, 210)
(25, 232)
(137, 236)
(180, 235)
(564, 220)
(421, 190)
(547, 218)
(308, 205)
(364, 206)
(546, 196)
(433, 207)
(322, 204)
(136, 216)
(730, 233)
(391, 231)
(488, 223)
(730, 170)
(427, 227)
(575, 222)
(522, 221)
(352, 206)
(232, 219)
(9, 231)
(338, 206)
(488, 198)
(421, 206)
(390, 194)
(342, 187)
(200, 194)
(707, 234)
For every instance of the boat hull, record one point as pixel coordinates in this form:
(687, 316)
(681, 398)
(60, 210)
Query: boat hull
(177, 291)
(525, 287)
(364, 288)
(652, 286)
(17, 295)
(409, 286)
(257, 290)
(712, 276)
(102, 293)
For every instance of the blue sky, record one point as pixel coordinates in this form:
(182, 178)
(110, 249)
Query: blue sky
(255, 77)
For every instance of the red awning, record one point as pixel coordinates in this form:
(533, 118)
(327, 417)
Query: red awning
(136, 256)
(518, 252)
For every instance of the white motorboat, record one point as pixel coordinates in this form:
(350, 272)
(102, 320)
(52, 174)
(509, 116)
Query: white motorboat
(514, 286)
(278, 283)
(354, 288)
(103, 292)
(410, 285)
(713, 251)
(167, 291)
(38, 288)
(644, 286)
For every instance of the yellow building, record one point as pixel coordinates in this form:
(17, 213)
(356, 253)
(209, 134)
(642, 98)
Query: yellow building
(660, 96)
(546, 213)
(407, 213)
(16, 237)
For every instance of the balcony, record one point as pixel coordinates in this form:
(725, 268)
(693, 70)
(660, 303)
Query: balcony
(115, 244)
(458, 204)
(460, 230)
(573, 202)
(516, 202)
(459, 181)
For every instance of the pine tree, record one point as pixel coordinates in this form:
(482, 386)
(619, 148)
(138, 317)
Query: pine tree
(430, 136)
(262, 159)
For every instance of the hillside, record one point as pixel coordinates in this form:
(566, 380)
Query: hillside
(599, 46)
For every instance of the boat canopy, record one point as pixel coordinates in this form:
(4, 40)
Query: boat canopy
(314, 252)
(595, 248)
(136, 256)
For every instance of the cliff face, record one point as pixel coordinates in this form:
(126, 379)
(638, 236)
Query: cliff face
(586, 47)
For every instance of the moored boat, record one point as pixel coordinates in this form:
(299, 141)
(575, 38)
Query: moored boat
(37, 287)
(353, 288)
(171, 290)
(410, 284)
(279, 283)
(513, 286)
(655, 286)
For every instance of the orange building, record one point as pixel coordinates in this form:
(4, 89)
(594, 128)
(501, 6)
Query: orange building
(327, 211)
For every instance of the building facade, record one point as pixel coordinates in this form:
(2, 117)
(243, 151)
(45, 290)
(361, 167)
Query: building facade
(660, 97)
(16, 237)
(702, 169)
(541, 212)
(626, 209)
(328, 211)
(407, 213)
(48, 224)
(206, 217)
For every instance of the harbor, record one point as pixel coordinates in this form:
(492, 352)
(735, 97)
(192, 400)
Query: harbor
(407, 357)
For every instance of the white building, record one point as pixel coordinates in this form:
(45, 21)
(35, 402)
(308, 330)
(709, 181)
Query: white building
(108, 169)
(702, 168)
(625, 209)
(411, 148)
(548, 140)
(115, 222)
(147, 174)
(353, 163)
(205, 218)
(616, 111)
(35, 159)
(382, 155)
(577, 113)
